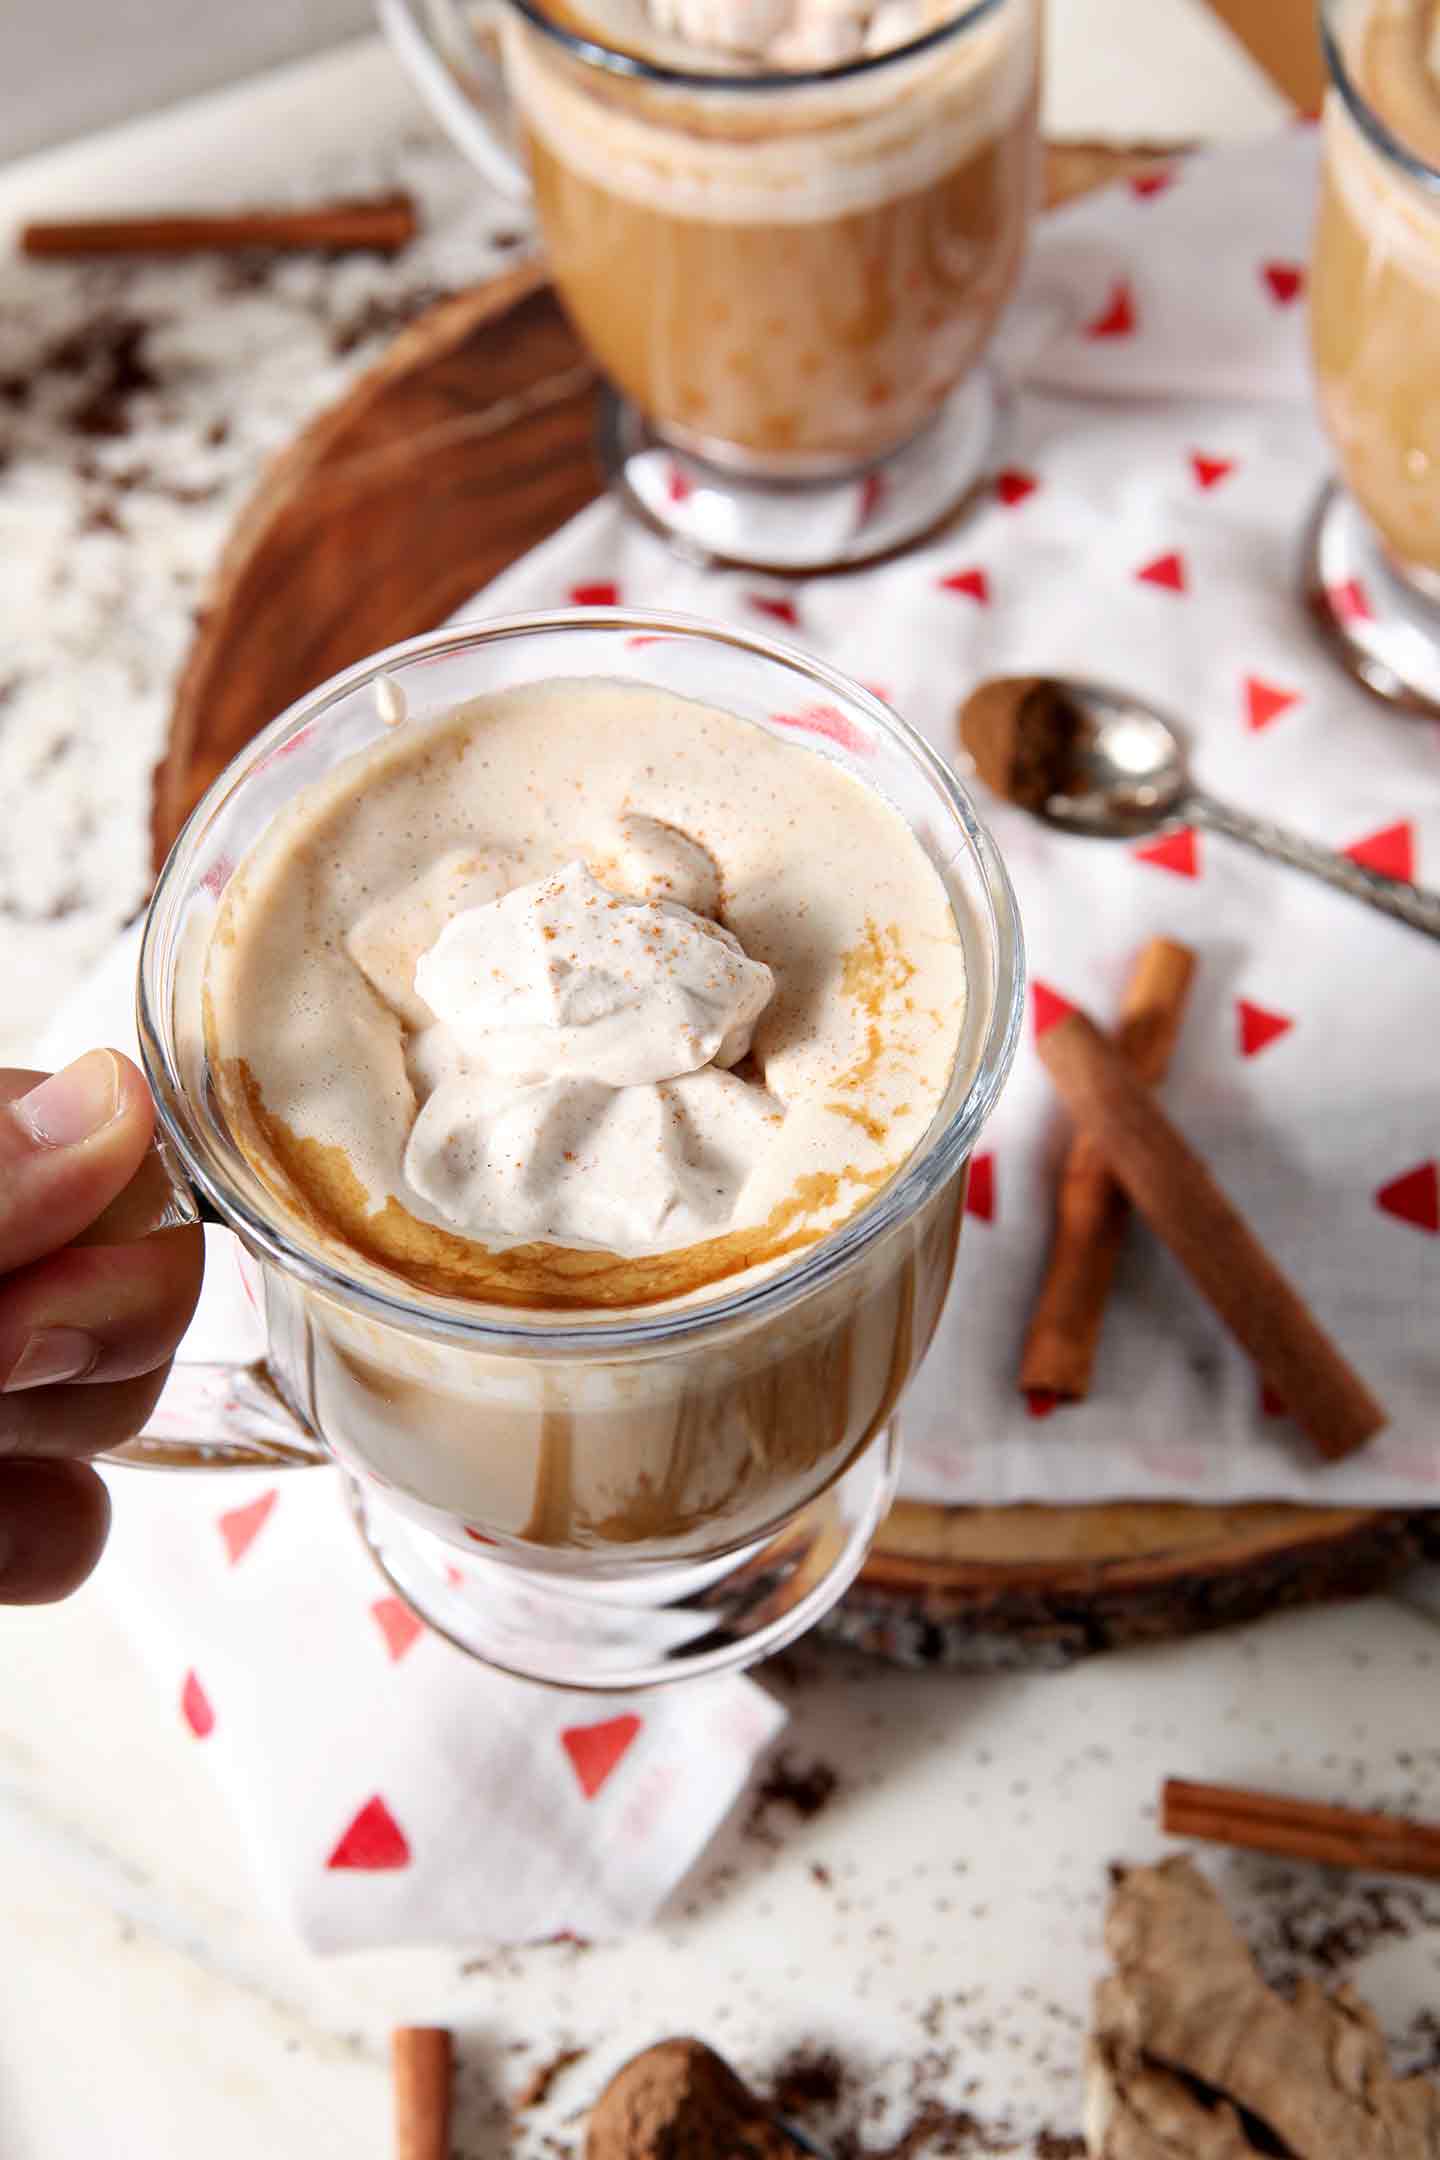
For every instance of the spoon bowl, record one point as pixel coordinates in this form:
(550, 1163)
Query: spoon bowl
(1093, 760)
(1126, 774)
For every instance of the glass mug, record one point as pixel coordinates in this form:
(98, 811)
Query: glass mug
(601, 1499)
(789, 279)
(1373, 555)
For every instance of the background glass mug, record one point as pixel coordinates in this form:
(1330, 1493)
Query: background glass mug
(599, 1498)
(1373, 558)
(790, 279)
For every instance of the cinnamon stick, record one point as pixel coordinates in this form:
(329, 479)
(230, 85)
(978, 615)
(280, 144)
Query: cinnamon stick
(420, 2061)
(1091, 1210)
(1186, 1209)
(384, 223)
(1300, 1829)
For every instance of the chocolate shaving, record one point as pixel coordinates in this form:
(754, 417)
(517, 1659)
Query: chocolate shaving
(537, 2087)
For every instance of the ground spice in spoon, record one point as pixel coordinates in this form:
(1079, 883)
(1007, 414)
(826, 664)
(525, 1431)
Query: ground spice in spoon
(1023, 733)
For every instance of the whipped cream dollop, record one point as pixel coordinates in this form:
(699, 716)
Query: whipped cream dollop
(576, 1076)
(793, 34)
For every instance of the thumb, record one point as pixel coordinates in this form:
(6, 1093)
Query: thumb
(67, 1147)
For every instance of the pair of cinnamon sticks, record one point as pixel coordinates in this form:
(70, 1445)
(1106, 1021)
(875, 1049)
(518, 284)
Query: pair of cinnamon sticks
(1126, 1151)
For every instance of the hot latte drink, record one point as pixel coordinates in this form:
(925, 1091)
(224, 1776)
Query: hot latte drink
(785, 273)
(584, 1000)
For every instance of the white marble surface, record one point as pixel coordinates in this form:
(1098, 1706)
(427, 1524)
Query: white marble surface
(146, 2009)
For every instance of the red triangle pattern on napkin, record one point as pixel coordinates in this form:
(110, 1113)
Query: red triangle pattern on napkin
(1177, 851)
(1048, 1006)
(1284, 281)
(601, 594)
(242, 1525)
(1265, 701)
(400, 1627)
(1391, 851)
(1012, 486)
(973, 583)
(780, 609)
(1119, 318)
(195, 1708)
(1414, 1198)
(980, 1192)
(595, 1751)
(1167, 571)
(374, 1842)
(1350, 601)
(1257, 1028)
(1210, 471)
(1149, 184)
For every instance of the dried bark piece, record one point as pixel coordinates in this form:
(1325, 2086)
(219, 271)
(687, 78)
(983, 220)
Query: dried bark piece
(1186, 1999)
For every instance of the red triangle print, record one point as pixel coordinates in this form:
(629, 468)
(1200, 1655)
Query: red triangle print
(1414, 1198)
(596, 1750)
(1012, 486)
(1040, 1401)
(1149, 184)
(782, 610)
(678, 484)
(973, 583)
(242, 1525)
(374, 1842)
(873, 490)
(1049, 1006)
(980, 1192)
(1286, 281)
(1117, 319)
(1350, 601)
(195, 1708)
(399, 1626)
(1391, 851)
(602, 594)
(1256, 1028)
(1265, 701)
(1167, 571)
(1210, 471)
(1177, 851)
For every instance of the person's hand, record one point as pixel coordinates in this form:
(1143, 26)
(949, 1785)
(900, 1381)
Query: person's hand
(86, 1331)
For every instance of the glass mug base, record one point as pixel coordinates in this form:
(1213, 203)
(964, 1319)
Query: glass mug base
(1381, 628)
(654, 1626)
(801, 526)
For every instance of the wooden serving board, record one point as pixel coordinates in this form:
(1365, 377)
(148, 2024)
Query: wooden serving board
(468, 443)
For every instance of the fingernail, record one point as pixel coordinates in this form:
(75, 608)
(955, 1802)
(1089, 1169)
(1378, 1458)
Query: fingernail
(74, 1104)
(52, 1354)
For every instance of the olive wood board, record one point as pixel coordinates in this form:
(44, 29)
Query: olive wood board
(466, 444)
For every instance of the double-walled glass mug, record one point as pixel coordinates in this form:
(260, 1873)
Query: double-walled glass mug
(790, 280)
(596, 1498)
(1373, 554)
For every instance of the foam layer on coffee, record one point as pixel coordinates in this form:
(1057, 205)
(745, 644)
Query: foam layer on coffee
(1392, 49)
(829, 152)
(742, 36)
(323, 1045)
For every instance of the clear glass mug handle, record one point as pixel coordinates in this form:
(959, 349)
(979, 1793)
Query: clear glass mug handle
(454, 61)
(212, 1415)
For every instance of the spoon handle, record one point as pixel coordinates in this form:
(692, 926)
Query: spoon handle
(1412, 904)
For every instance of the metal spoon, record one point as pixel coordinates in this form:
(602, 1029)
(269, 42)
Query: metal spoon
(1125, 775)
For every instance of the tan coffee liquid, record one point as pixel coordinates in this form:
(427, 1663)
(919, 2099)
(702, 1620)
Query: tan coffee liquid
(1375, 300)
(795, 280)
(817, 877)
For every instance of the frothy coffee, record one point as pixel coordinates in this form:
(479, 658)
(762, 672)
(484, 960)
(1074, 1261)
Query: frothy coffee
(584, 995)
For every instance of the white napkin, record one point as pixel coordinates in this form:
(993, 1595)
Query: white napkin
(391, 1790)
